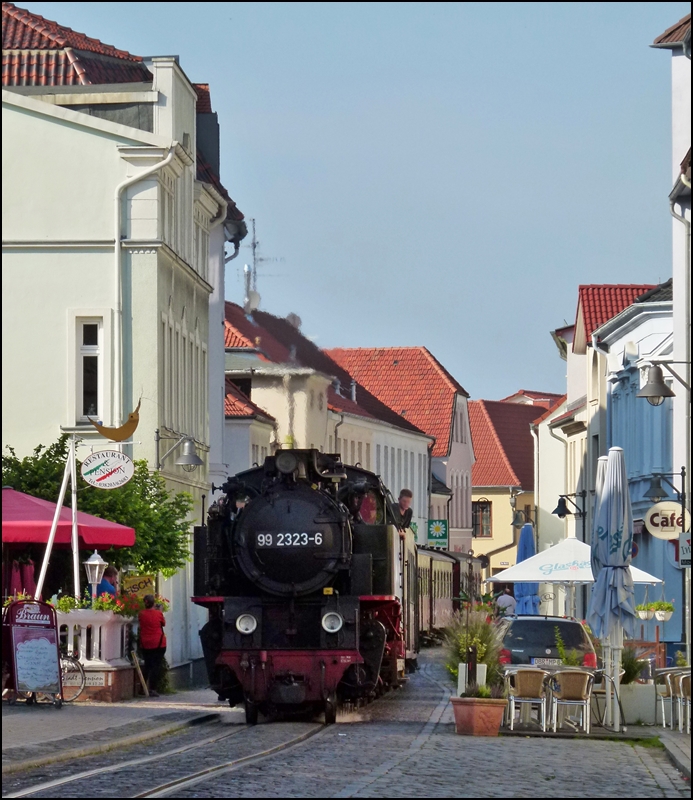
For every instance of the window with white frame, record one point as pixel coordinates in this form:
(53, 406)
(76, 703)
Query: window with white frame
(89, 372)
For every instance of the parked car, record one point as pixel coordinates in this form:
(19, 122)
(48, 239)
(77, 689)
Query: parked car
(532, 640)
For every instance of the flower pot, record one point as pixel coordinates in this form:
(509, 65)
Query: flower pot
(663, 616)
(646, 613)
(478, 716)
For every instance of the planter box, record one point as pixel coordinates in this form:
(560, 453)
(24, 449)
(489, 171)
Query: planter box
(637, 701)
(478, 716)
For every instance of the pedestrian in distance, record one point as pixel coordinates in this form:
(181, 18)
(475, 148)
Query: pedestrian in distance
(506, 604)
(152, 642)
(405, 511)
(109, 582)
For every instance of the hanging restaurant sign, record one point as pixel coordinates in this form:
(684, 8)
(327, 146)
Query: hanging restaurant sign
(107, 469)
(663, 520)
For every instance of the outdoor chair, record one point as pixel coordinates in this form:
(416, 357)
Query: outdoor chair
(672, 679)
(664, 694)
(528, 687)
(571, 688)
(684, 701)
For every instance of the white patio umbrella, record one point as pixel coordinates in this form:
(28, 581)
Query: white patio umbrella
(567, 562)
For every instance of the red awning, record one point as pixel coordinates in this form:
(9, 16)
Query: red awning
(27, 519)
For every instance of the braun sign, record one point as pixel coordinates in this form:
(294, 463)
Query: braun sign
(663, 520)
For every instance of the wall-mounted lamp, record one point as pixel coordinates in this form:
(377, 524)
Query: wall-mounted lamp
(188, 459)
(562, 510)
(655, 390)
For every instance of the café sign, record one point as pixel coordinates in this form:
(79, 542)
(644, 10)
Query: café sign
(107, 469)
(663, 520)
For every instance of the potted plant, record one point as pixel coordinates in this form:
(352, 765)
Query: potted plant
(645, 610)
(663, 610)
(479, 711)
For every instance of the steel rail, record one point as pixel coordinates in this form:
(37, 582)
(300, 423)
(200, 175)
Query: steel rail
(165, 789)
(26, 792)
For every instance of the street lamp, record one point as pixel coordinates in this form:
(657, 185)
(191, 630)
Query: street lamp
(188, 459)
(655, 390)
(562, 510)
(95, 566)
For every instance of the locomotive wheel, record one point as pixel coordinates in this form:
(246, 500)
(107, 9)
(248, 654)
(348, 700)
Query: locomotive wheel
(331, 709)
(251, 712)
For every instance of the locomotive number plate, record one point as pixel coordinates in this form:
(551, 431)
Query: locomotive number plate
(288, 539)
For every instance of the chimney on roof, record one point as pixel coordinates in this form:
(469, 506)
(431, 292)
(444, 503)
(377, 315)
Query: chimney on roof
(353, 390)
(337, 386)
(294, 320)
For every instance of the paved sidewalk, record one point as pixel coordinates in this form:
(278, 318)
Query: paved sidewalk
(678, 747)
(41, 734)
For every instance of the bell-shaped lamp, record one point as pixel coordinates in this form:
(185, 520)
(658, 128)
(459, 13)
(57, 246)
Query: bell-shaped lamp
(189, 459)
(655, 390)
(562, 509)
(656, 491)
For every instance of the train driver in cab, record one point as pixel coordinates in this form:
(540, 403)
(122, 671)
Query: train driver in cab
(405, 511)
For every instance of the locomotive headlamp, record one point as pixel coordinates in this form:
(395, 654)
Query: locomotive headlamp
(246, 624)
(286, 462)
(332, 622)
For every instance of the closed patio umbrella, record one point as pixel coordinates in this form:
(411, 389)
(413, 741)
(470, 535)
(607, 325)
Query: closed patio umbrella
(612, 603)
(526, 594)
(598, 487)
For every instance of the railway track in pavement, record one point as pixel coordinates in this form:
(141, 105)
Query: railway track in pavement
(163, 773)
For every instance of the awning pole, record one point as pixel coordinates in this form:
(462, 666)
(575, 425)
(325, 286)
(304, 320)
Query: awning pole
(54, 528)
(75, 539)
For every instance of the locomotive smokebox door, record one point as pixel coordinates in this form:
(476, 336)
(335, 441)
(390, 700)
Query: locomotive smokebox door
(292, 542)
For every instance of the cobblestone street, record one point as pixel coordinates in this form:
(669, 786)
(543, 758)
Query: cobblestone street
(404, 744)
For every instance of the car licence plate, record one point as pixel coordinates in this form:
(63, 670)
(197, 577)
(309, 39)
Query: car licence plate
(547, 662)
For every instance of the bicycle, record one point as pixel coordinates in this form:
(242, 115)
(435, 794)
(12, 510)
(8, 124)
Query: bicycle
(74, 681)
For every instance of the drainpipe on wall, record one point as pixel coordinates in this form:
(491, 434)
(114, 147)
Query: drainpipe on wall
(533, 429)
(341, 422)
(118, 333)
(686, 290)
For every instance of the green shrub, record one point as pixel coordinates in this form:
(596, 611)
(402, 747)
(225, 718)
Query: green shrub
(631, 664)
(570, 659)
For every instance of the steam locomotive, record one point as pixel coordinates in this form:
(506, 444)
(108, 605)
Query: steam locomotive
(310, 580)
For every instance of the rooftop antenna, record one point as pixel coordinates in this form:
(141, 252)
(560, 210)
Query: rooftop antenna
(251, 300)
(257, 259)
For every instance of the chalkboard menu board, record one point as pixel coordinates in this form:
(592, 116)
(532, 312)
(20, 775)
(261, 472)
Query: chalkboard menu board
(35, 647)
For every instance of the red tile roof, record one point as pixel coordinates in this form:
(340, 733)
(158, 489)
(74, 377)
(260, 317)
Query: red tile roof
(204, 99)
(597, 304)
(676, 34)
(503, 444)
(551, 409)
(339, 404)
(245, 331)
(39, 52)
(537, 398)
(206, 174)
(237, 404)
(569, 414)
(281, 342)
(411, 382)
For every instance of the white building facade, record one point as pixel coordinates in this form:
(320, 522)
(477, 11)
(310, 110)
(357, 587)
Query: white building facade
(106, 234)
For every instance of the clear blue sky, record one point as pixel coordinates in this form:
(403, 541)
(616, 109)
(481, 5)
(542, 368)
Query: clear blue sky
(432, 174)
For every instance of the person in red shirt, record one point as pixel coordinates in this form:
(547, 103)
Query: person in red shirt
(152, 642)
